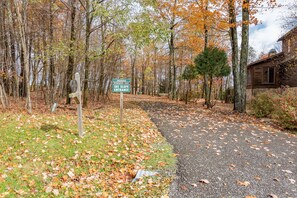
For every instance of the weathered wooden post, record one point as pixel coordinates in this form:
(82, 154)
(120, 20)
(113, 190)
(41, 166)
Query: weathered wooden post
(121, 106)
(76, 94)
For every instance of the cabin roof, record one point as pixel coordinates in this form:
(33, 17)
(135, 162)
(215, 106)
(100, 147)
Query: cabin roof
(266, 59)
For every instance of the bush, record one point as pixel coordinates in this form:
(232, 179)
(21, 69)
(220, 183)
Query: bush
(280, 104)
(262, 105)
(285, 109)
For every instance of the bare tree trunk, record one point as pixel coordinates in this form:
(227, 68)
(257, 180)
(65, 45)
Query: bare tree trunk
(70, 67)
(133, 64)
(45, 84)
(171, 64)
(5, 49)
(3, 97)
(143, 78)
(244, 56)
(87, 59)
(22, 32)
(172, 68)
(12, 24)
(210, 105)
(155, 72)
(102, 59)
(188, 92)
(168, 84)
(136, 81)
(234, 46)
(207, 89)
(132, 73)
(239, 70)
(51, 58)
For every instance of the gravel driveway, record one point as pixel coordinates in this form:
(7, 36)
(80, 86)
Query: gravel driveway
(219, 157)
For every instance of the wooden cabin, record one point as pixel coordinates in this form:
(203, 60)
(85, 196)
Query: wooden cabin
(275, 70)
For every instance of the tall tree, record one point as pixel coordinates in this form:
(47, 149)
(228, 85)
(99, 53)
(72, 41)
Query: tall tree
(239, 66)
(172, 66)
(21, 22)
(89, 19)
(51, 58)
(70, 66)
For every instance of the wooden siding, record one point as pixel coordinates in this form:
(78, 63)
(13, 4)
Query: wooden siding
(257, 74)
(284, 64)
(292, 39)
(290, 76)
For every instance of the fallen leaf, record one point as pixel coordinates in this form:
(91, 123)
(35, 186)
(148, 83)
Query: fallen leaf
(70, 174)
(183, 187)
(250, 196)
(56, 192)
(20, 192)
(204, 181)
(245, 183)
(65, 177)
(162, 163)
(287, 171)
(48, 189)
(292, 181)
(258, 178)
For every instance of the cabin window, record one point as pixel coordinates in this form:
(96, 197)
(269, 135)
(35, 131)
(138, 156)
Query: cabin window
(268, 75)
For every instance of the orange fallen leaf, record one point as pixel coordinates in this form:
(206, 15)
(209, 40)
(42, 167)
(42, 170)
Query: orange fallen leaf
(245, 183)
(162, 163)
(258, 178)
(65, 177)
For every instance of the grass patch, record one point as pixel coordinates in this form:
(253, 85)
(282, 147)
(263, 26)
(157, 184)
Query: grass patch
(41, 155)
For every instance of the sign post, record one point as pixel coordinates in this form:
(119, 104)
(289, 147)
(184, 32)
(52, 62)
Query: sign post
(76, 94)
(121, 85)
(121, 106)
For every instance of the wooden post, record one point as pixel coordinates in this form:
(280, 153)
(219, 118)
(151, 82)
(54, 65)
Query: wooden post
(121, 107)
(75, 87)
(79, 106)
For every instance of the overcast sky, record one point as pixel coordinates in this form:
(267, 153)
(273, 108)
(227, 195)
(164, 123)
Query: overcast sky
(264, 36)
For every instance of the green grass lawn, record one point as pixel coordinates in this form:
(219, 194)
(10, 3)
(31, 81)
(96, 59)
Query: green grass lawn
(41, 155)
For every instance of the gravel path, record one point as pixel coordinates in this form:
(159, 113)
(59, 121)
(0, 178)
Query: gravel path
(222, 158)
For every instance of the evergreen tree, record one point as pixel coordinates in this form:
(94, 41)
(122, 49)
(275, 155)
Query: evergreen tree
(212, 62)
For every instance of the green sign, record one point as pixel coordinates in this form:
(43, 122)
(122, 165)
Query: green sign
(121, 85)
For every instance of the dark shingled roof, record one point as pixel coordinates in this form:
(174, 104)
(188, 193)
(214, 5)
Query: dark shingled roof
(275, 56)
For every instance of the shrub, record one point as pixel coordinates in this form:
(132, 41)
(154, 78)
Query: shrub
(285, 109)
(262, 105)
(279, 104)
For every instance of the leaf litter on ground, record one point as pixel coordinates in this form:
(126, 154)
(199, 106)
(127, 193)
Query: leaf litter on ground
(42, 154)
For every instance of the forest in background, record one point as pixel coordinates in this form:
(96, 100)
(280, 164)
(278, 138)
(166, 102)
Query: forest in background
(44, 42)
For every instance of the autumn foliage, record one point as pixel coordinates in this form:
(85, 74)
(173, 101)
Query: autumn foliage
(281, 105)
